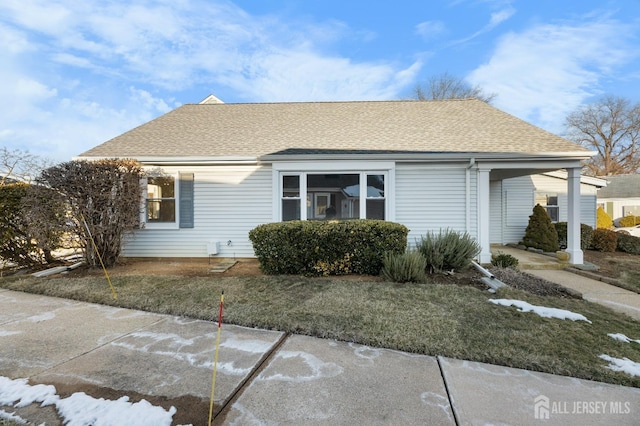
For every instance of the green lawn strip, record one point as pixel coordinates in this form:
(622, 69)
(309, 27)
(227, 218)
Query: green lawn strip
(448, 320)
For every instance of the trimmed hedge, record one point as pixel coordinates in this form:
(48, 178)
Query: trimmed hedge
(586, 235)
(605, 240)
(629, 221)
(327, 247)
(628, 243)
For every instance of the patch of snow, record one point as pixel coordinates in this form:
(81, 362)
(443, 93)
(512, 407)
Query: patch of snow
(46, 316)
(80, 409)
(625, 365)
(621, 337)
(4, 333)
(543, 311)
(11, 416)
(318, 369)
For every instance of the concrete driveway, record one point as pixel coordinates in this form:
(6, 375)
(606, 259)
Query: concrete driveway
(267, 377)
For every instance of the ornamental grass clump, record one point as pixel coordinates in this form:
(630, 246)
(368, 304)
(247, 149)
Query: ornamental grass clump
(448, 250)
(408, 267)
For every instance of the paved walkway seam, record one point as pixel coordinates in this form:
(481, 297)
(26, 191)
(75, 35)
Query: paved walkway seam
(220, 416)
(446, 388)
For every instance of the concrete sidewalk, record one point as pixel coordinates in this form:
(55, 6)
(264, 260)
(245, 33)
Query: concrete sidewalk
(266, 377)
(616, 298)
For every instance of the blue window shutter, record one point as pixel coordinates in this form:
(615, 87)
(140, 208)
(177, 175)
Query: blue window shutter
(186, 200)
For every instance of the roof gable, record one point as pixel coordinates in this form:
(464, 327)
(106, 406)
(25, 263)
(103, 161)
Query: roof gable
(254, 130)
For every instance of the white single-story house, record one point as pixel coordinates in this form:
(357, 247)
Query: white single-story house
(621, 197)
(512, 202)
(216, 170)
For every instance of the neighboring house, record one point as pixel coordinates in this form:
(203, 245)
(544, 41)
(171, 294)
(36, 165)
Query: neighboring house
(512, 202)
(218, 170)
(621, 197)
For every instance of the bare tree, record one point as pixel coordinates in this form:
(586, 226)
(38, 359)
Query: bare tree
(447, 86)
(611, 127)
(19, 165)
(104, 201)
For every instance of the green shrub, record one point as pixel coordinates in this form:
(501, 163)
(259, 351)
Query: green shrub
(16, 245)
(628, 221)
(448, 250)
(628, 243)
(406, 267)
(504, 260)
(326, 247)
(586, 235)
(540, 232)
(605, 240)
(603, 221)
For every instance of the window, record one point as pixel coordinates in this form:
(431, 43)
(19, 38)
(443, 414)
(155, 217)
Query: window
(161, 200)
(333, 196)
(550, 203)
(169, 201)
(375, 197)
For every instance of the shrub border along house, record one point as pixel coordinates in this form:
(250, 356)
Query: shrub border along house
(327, 247)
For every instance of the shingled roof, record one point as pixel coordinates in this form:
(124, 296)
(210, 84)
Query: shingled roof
(621, 186)
(256, 130)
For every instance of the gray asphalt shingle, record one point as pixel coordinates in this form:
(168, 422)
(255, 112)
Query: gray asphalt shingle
(255, 130)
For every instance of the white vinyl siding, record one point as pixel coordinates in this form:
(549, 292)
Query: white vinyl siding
(229, 201)
(518, 201)
(431, 198)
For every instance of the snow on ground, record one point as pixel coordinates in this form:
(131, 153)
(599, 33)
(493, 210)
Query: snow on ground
(540, 310)
(11, 416)
(624, 365)
(621, 337)
(80, 409)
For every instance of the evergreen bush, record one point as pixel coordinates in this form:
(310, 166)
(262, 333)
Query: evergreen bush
(326, 247)
(628, 243)
(448, 250)
(603, 220)
(628, 221)
(504, 260)
(540, 232)
(586, 235)
(605, 240)
(408, 267)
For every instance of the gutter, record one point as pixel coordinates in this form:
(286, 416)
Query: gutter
(489, 279)
(472, 162)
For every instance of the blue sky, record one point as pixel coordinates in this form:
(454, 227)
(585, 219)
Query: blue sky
(74, 74)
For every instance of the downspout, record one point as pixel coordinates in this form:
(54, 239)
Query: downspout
(472, 162)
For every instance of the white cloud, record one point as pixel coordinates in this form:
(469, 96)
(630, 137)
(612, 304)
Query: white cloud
(496, 19)
(545, 72)
(430, 29)
(105, 67)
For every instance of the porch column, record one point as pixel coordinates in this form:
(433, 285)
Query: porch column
(573, 217)
(483, 216)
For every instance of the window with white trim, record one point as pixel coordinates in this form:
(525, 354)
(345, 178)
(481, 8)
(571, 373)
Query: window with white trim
(161, 199)
(168, 201)
(550, 203)
(331, 195)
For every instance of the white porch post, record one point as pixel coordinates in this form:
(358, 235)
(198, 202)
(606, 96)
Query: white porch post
(573, 219)
(483, 216)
